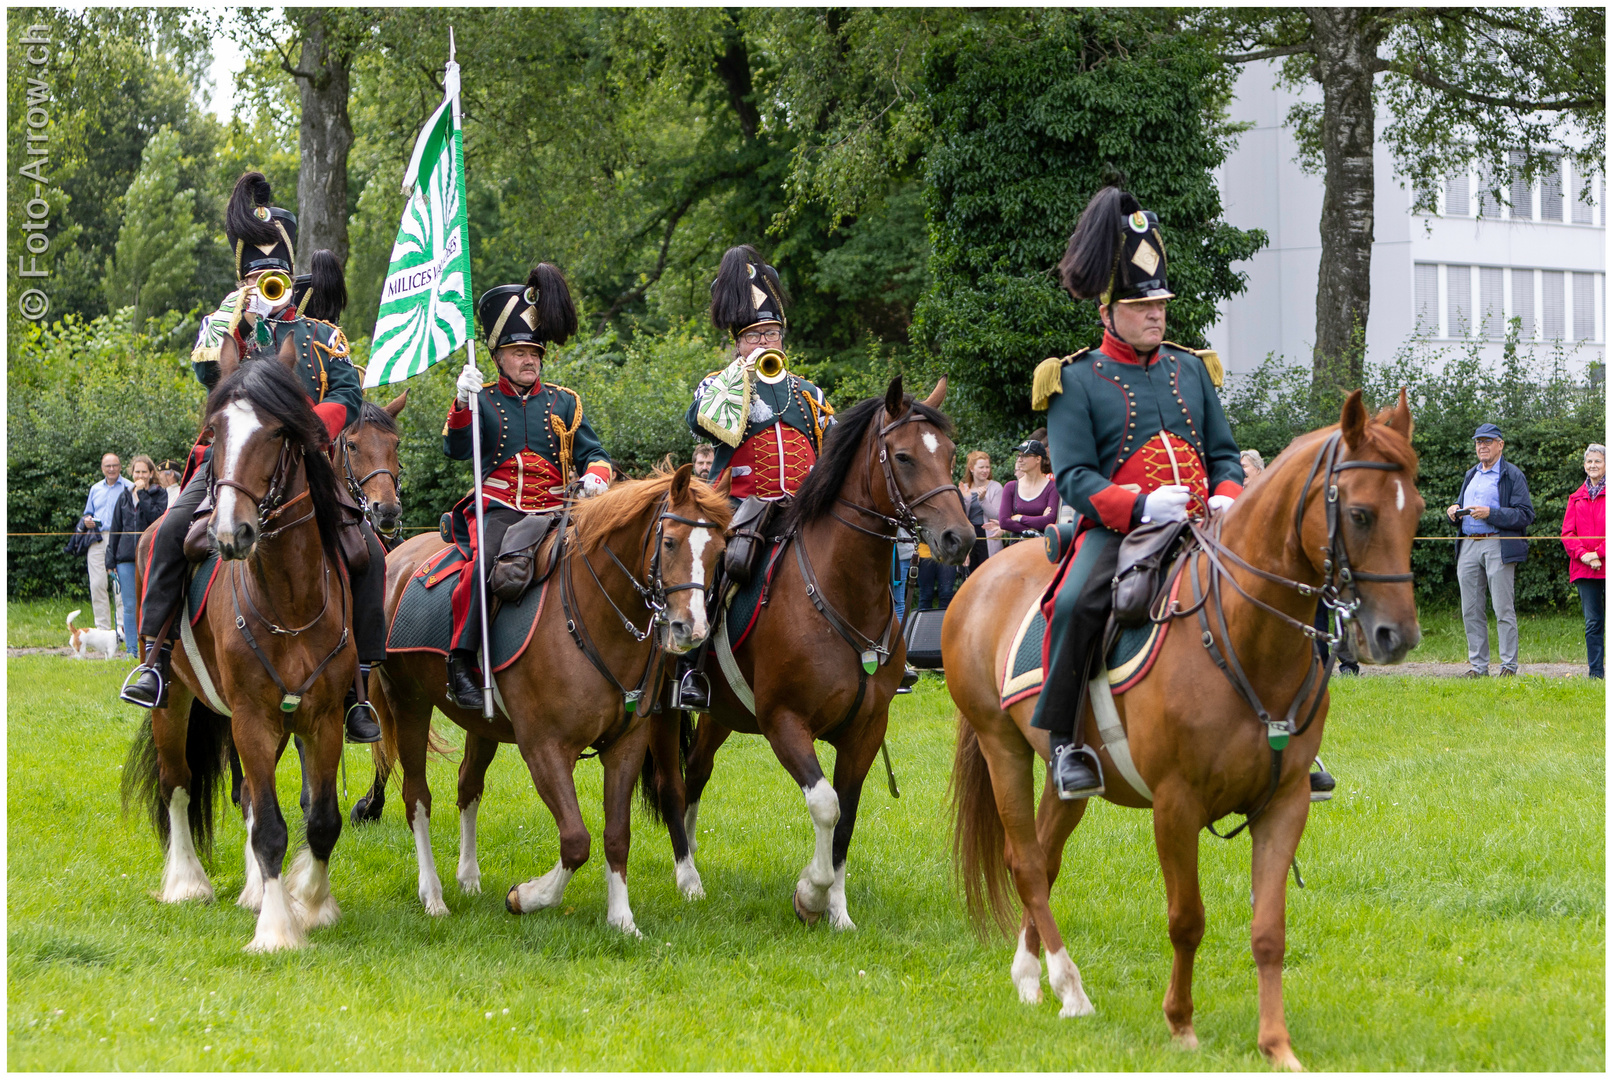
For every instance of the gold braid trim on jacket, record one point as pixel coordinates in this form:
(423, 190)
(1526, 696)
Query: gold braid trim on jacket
(565, 435)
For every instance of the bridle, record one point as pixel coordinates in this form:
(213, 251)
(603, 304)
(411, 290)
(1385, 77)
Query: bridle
(904, 518)
(272, 503)
(355, 484)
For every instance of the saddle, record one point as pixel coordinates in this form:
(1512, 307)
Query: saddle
(1142, 570)
(512, 573)
(748, 536)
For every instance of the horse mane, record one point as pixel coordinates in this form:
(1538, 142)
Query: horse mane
(371, 413)
(817, 495)
(267, 385)
(629, 500)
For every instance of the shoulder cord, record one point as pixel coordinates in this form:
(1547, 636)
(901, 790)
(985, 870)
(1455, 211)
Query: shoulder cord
(564, 434)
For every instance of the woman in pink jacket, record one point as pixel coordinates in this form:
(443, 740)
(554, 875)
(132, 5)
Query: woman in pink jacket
(1585, 537)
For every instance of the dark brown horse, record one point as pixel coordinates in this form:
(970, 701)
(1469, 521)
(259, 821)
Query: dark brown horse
(640, 556)
(367, 454)
(272, 653)
(1336, 499)
(825, 655)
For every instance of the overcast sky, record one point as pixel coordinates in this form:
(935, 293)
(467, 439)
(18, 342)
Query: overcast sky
(226, 62)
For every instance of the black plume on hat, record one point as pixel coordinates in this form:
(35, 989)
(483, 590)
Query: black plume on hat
(746, 291)
(322, 292)
(1116, 252)
(536, 312)
(261, 235)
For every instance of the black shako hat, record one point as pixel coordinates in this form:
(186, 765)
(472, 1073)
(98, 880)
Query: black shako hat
(745, 292)
(534, 313)
(1116, 254)
(262, 236)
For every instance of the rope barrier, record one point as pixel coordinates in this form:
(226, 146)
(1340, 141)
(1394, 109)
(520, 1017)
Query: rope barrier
(1005, 539)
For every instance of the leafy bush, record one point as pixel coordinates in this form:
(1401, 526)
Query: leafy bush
(1547, 416)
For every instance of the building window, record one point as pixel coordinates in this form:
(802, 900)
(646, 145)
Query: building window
(1459, 300)
(1551, 304)
(1489, 205)
(1523, 302)
(1427, 299)
(1492, 302)
(1551, 191)
(1584, 307)
(1456, 203)
(1584, 211)
(1523, 202)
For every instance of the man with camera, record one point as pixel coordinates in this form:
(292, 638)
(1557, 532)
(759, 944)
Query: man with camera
(1493, 510)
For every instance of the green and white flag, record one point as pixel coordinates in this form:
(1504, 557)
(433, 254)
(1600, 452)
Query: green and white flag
(426, 310)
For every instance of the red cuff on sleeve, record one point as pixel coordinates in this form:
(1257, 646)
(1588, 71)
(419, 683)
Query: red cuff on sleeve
(600, 469)
(1230, 488)
(334, 414)
(1113, 505)
(459, 415)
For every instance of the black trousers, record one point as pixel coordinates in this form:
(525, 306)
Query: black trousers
(496, 521)
(165, 576)
(1080, 612)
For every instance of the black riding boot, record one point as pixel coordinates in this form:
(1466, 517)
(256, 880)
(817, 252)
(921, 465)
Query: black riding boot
(692, 691)
(1076, 772)
(361, 724)
(147, 686)
(464, 680)
(1322, 783)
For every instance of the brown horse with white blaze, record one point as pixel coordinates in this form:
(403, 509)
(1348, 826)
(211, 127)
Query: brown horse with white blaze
(1333, 517)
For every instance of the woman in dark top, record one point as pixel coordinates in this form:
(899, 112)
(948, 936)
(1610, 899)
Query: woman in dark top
(1030, 502)
(145, 504)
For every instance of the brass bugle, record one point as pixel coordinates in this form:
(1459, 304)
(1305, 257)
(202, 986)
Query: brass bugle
(770, 366)
(273, 286)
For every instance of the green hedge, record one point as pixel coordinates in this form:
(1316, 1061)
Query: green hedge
(1547, 416)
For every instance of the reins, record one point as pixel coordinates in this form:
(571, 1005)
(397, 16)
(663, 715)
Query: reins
(355, 484)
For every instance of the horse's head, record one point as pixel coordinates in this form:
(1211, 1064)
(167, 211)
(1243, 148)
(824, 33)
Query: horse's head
(374, 474)
(913, 443)
(268, 449)
(1365, 531)
(690, 544)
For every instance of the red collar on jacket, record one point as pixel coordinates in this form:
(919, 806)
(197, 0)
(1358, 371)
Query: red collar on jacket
(505, 386)
(1115, 349)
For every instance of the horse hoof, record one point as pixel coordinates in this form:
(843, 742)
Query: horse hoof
(1186, 1040)
(511, 903)
(361, 812)
(809, 918)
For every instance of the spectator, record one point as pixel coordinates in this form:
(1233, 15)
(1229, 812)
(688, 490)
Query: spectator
(103, 499)
(1585, 537)
(937, 581)
(704, 454)
(168, 478)
(902, 559)
(1030, 502)
(145, 504)
(979, 487)
(1253, 464)
(1495, 509)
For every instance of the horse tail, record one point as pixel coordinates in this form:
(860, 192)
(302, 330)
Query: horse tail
(206, 747)
(977, 836)
(649, 787)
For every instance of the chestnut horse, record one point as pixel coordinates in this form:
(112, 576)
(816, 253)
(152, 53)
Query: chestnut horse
(640, 554)
(276, 655)
(826, 654)
(1336, 499)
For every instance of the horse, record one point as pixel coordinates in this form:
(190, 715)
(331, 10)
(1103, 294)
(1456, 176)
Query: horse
(274, 523)
(1337, 498)
(825, 655)
(368, 451)
(568, 690)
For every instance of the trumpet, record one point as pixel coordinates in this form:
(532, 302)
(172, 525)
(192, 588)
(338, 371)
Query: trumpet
(273, 286)
(770, 366)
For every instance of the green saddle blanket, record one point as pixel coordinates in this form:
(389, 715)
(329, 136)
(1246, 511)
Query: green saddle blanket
(201, 583)
(1130, 658)
(424, 620)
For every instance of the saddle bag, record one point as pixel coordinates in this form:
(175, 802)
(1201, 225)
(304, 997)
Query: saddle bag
(511, 575)
(197, 542)
(747, 537)
(1145, 554)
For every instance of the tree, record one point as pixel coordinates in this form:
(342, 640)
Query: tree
(155, 261)
(1488, 86)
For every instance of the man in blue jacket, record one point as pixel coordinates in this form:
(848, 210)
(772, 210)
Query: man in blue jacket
(1494, 509)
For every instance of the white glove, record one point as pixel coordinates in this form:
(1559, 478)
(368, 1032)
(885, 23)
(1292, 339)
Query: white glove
(260, 307)
(593, 485)
(750, 361)
(1168, 503)
(470, 382)
(1219, 503)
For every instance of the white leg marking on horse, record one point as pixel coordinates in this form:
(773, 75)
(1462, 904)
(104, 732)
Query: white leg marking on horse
(278, 927)
(617, 911)
(698, 539)
(816, 877)
(689, 879)
(691, 817)
(1066, 980)
(430, 885)
(308, 886)
(239, 421)
(838, 918)
(182, 875)
(251, 896)
(470, 871)
(931, 443)
(1400, 496)
(543, 892)
(1026, 973)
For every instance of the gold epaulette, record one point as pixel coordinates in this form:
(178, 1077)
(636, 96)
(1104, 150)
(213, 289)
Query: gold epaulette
(1049, 379)
(1211, 359)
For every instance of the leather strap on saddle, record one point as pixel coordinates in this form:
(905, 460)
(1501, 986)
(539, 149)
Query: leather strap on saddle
(512, 573)
(1145, 554)
(747, 536)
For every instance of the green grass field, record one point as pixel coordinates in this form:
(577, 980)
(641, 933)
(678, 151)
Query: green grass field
(1552, 637)
(1453, 920)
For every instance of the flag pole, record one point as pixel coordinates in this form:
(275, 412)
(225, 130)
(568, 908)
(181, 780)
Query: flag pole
(476, 479)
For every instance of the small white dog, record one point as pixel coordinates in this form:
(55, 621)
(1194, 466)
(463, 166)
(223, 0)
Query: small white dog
(85, 642)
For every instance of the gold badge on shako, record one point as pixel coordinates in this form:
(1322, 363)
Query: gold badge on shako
(261, 213)
(1138, 222)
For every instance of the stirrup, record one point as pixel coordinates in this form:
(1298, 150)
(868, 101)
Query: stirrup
(351, 725)
(693, 695)
(1322, 783)
(161, 699)
(1083, 756)
(910, 679)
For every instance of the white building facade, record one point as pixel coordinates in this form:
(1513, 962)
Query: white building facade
(1454, 278)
